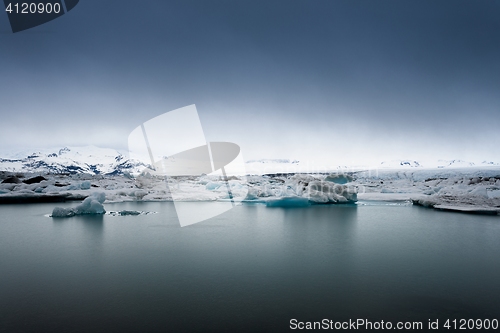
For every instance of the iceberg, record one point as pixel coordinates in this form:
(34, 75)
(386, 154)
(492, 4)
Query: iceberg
(465, 188)
(212, 186)
(63, 212)
(91, 205)
(129, 212)
(339, 178)
(280, 190)
(288, 202)
(328, 192)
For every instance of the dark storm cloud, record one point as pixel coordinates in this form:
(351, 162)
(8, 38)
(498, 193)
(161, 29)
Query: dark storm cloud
(358, 79)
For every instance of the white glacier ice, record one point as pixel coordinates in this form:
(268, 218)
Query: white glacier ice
(466, 188)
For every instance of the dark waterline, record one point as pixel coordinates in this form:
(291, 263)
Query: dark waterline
(250, 269)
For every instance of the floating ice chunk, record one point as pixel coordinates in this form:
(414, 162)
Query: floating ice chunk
(85, 185)
(474, 180)
(328, 192)
(24, 192)
(34, 180)
(469, 209)
(99, 196)
(288, 202)
(91, 205)
(63, 212)
(318, 197)
(252, 194)
(51, 189)
(339, 179)
(235, 185)
(129, 212)
(267, 191)
(11, 180)
(8, 187)
(139, 194)
(431, 202)
(432, 190)
(203, 180)
(298, 184)
(479, 191)
(494, 193)
(212, 186)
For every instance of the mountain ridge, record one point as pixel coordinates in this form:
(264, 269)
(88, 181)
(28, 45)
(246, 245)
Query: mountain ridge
(108, 161)
(72, 160)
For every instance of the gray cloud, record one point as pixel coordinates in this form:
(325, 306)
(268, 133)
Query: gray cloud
(348, 81)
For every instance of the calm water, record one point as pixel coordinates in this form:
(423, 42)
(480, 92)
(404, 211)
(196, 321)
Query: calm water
(251, 269)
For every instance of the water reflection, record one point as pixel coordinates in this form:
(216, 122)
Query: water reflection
(334, 225)
(83, 235)
(256, 270)
(92, 223)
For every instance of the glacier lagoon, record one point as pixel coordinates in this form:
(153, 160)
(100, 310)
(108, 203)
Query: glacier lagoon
(253, 268)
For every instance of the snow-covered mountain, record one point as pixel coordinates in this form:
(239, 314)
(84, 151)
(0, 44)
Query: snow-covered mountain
(106, 161)
(456, 164)
(397, 164)
(439, 164)
(72, 160)
(273, 161)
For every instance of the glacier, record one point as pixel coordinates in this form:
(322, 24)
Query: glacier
(75, 173)
(464, 188)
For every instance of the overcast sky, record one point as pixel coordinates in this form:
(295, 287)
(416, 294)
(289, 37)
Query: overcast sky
(350, 82)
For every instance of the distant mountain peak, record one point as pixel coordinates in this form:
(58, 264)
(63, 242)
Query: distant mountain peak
(276, 160)
(454, 163)
(96, 160)
(64, 150)
(401, 163)
(72, 160)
